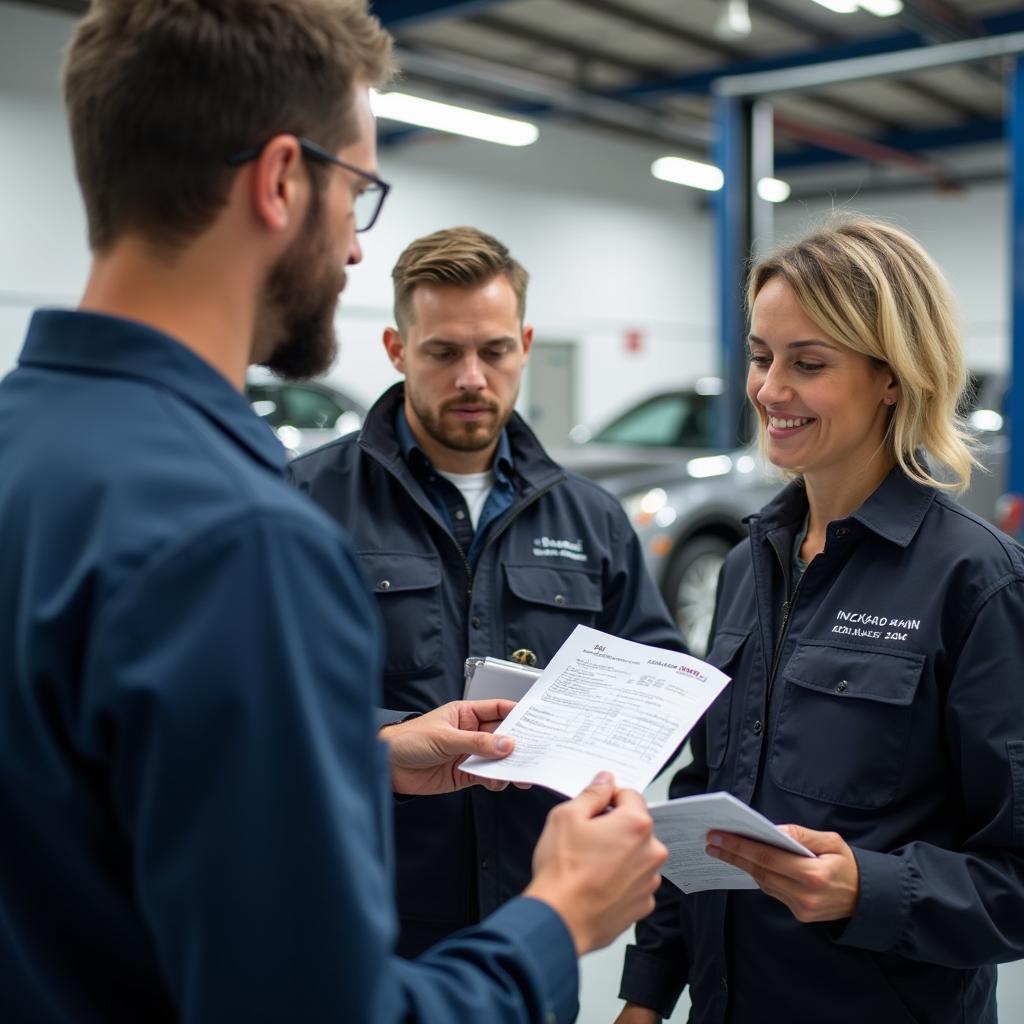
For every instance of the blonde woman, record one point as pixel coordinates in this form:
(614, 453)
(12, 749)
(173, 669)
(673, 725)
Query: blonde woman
(874, 630)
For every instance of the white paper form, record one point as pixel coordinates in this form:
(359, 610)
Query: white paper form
(683, 826)
(603, 703)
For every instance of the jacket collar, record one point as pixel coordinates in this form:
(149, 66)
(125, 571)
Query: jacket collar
(525, 454)
(894, 511)
(99, 344)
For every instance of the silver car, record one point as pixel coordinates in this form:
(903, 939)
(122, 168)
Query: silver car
(304, 415)
(687, 499)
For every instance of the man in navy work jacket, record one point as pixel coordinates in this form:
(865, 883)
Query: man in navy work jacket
(477, 543)
(194, 799)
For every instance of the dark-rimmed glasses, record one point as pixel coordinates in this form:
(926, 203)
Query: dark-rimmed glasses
(366, 205)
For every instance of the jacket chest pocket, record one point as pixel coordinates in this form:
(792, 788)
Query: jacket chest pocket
(408, 589)
(843, 725)
(545, 605)
(725, 655)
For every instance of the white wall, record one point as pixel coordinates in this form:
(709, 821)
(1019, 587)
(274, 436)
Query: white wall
(609, 250)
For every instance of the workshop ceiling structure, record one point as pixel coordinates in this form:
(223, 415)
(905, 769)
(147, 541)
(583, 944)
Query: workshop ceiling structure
(644, 69)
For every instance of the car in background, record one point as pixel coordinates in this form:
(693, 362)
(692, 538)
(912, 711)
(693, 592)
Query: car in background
(687, 498)
(303, 415)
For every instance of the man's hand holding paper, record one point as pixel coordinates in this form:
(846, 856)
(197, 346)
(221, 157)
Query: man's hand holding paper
(603, 703)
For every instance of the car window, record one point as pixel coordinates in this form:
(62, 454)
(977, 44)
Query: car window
(681, 419)
(266, 403)
(309, 409)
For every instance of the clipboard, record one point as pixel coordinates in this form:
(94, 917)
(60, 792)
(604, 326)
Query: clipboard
(488, 678)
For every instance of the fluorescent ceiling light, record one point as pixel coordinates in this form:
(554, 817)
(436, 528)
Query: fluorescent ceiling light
(839, 6)
(881, 8)
(444, 117)
(688, 172)
(773, 190)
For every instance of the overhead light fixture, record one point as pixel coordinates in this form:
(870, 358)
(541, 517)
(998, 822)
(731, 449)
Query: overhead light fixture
(838, 6)
(734, 21)
(694, 174)
(691, 173)
(879, 8)
(446, 117)
(773, 190)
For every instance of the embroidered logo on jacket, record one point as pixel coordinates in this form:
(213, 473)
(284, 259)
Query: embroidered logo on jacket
(548, 547)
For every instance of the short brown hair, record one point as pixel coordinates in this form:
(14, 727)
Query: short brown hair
(461, 256)
(160, 93)
(874, 289)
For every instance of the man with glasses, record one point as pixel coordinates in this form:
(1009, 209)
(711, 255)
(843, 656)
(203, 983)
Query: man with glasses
(192, 791)
(477, 544)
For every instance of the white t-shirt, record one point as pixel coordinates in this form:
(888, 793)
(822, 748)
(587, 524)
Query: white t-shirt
(475, 488)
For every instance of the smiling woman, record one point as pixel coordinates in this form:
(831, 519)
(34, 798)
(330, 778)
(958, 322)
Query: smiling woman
(869, 625)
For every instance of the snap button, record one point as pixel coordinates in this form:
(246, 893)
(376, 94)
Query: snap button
(559, 599)
(842, 531)
(843, 684)
(383, 584)
(475, 622)
(459, 514)
(758, 728)
(485, 864)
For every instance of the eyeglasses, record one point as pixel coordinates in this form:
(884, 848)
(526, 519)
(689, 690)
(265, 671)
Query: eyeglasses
(368, 202)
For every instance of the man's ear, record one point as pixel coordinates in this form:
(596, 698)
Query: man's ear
(527, 339)
(395, 348)
(278, 185)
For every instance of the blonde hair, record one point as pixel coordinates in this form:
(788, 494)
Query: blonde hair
(462, 256)
(873, 288)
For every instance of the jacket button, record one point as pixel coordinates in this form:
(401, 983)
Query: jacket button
(843, 684)
(758, 728)
(459, 514)
(559, 599)
(725, 981)
(842, 531)
(475, 622)
(383, 584)
(484, 864)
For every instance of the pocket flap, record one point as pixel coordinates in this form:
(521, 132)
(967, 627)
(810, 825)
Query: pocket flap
(887, 676)
(395, 571)
(556, 588)
(725, 644)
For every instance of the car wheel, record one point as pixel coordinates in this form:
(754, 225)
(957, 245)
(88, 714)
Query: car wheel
(690, 586)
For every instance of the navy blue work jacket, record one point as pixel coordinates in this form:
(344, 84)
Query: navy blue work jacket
(563, 553)
(192, 795)
(884, 701)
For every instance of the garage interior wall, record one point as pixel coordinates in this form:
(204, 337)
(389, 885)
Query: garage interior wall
(609, 249)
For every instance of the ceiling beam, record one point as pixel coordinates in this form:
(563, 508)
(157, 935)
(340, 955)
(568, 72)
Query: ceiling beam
(398, 14)
(700, 82)
(514, 29)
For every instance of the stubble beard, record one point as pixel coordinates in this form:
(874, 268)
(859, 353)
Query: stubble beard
(300, 302)
(461, 437)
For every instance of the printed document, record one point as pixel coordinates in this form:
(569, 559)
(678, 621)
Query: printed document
(683, 826)
(603, 704)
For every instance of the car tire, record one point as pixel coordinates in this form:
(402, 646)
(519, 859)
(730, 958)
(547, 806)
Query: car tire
(690, 584)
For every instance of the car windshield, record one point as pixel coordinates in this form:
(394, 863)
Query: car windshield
(680, 419)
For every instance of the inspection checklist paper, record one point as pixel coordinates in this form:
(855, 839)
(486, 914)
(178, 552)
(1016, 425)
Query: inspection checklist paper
(603, 703)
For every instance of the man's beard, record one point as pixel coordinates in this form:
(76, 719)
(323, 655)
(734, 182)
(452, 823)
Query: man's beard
(300, 301)
(461, 436)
